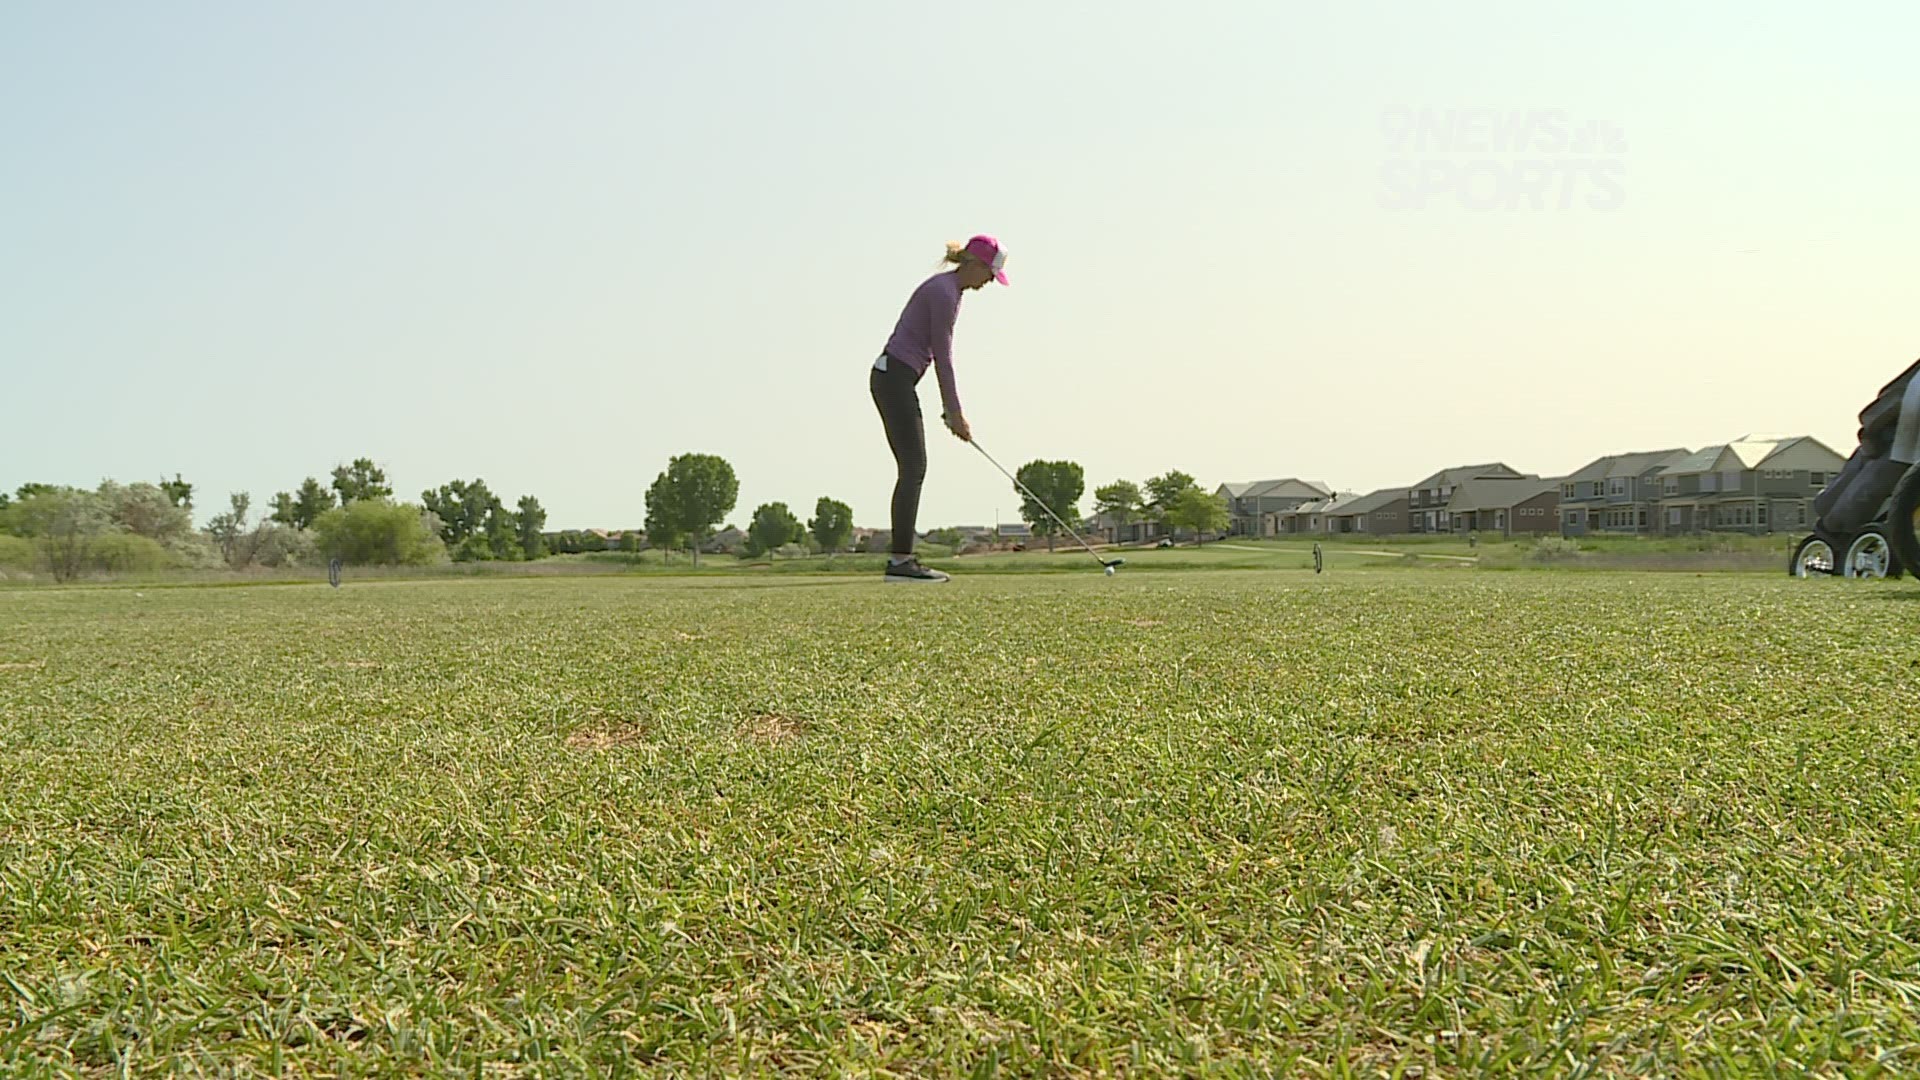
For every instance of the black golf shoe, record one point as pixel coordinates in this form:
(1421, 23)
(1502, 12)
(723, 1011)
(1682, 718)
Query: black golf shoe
(912, 571)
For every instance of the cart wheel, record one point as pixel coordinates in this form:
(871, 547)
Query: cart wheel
(1903, 515)
(1812, 558)
(1870, 556)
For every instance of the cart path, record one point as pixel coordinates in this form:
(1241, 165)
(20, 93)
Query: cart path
(1352, 551)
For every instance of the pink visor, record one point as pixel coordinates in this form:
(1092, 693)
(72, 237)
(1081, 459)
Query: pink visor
(987, 250)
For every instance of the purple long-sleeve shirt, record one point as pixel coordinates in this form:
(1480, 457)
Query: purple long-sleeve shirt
(924, 333)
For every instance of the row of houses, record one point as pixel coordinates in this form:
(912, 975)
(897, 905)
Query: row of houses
(1753, 484)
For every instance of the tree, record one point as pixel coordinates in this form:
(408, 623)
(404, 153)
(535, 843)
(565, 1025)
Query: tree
(311, 501)
(1162, 491)
(466, 511)
(448, 503)
(502, 532)
(832, 524)
(378, 532)
(238, 544)
(225, 527)
(663, 516)
(64, 523)
(1056, 483)
(1121, 499)
(773, 526)
(1197, 510)
(178, 491)
(686, 501)
(145, 510)
(284, 510)
(361, 480)
(532, 518)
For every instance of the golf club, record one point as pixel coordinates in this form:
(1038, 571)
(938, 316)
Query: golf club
(1110, 564)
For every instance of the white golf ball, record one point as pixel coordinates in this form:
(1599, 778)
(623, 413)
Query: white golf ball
(1109, 571)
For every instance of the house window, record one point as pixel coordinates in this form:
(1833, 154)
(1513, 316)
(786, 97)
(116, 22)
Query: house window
(1818, 479)
(1673, 518)
(1672, 485)
(1760, 516)
(1616, 487)
(1566, 491)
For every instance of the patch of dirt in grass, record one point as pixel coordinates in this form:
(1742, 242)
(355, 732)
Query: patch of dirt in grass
(22, 665)
(604, 733)
(607, 738)
(1144, 623)
(771, 728)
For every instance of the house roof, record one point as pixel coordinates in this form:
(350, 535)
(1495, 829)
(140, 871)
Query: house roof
(1460, 474)
(1804, 452)
(1629, 464)
(1745, 452)
(1482, 494)
(1639, 463)
(1752, 450)
(1705, 459)
(1373, 500)
(1333, 505)
(1291, 487)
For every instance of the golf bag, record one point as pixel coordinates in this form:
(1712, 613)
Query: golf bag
(1889, 445)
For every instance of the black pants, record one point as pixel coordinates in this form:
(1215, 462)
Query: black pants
(899, 405)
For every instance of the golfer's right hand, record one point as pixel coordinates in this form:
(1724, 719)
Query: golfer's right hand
(958, 425)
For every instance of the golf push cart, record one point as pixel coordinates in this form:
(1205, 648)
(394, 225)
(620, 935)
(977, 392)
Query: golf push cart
(1865, 523)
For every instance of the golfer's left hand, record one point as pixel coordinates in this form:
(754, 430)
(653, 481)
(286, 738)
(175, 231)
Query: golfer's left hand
(958, 425)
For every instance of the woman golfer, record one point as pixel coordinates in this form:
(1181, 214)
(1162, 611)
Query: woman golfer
(924, 336)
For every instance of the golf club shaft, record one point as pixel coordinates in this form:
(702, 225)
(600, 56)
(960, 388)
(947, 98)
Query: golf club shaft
(1038, 501)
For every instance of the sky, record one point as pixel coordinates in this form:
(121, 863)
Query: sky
(552, 246)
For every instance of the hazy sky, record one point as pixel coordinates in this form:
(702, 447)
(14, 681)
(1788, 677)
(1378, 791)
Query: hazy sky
(552, 245)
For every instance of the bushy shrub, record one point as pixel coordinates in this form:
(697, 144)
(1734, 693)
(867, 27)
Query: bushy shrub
(124, 552)
(284, 546)
(194, 551)
(1549, 549)
(18, 554)
(377, 532)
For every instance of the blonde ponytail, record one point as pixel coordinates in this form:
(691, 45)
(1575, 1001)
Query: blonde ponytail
(958, 255)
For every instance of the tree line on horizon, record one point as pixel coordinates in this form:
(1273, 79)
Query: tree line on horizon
(68, 531)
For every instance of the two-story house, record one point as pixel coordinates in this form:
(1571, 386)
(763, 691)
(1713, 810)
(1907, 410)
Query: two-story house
(1753, 484)
(1616, 493)
(1249, 504)
(1427, 500)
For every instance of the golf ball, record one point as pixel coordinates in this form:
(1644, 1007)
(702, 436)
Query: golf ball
(1109, 571)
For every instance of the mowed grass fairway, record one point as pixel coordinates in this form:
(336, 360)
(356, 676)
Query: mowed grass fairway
(1181, 822)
